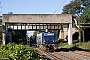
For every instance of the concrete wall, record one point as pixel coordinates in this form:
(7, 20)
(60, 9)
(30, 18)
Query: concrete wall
(66, 32)
(37, 18)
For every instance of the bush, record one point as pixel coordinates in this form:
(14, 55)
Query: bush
(13, 51)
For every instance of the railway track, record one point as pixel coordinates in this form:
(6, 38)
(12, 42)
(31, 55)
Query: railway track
(47, 54)
(54, 55)
(62, 55)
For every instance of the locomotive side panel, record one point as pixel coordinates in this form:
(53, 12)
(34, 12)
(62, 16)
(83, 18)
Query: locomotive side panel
(49, 37)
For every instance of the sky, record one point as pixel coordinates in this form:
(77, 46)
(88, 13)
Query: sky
(32, 6)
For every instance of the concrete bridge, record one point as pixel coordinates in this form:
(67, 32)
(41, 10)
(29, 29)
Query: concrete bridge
(36, 22)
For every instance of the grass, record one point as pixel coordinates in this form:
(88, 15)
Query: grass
(76, 45)
(85, 45)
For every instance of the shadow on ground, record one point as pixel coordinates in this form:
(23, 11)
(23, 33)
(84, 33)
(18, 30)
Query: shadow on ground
(71, 49)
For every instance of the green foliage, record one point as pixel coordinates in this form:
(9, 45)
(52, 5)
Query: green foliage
(78, 8)
(18, 52)
(76, 45)
(85, 45)
(72, 8)
(86, 16)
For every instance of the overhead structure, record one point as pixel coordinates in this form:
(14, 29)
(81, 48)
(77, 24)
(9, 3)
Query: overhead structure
(36, 22)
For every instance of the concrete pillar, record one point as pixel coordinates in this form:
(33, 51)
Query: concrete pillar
(3, 34)
(70, 34)
(61, 34)
(3, 39)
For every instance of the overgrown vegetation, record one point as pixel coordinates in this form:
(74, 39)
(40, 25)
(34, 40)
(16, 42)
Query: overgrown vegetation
(76, 45)
(19, 37)
(13, 51)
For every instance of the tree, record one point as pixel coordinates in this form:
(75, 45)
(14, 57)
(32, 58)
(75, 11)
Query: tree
(78, 8)
(72, 8)
(86, 16)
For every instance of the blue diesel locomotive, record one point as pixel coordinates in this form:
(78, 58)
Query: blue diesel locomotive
(46, 41)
